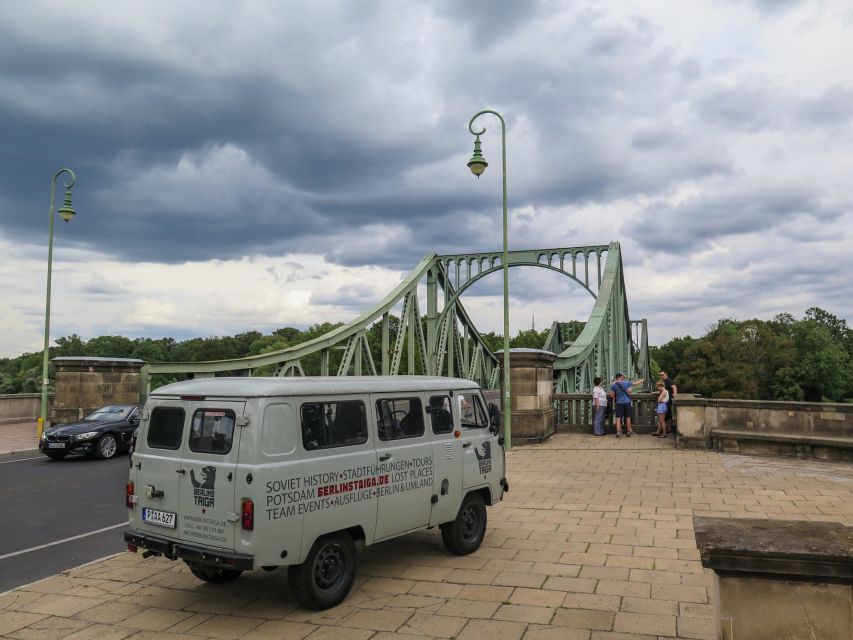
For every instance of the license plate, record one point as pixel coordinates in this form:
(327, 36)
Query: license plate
(55, 445)
(160, 518)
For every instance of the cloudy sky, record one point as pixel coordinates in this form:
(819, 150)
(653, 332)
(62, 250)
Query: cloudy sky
(251, 165)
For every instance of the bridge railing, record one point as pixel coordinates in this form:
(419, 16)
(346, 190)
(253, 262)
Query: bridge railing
(574, 411)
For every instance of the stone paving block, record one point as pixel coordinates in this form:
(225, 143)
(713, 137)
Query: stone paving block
(14, 600)
(647, 623)
(471, 576)
(276, 629)
(605, 573)
(698, 628)
(155, 619)
(537, 597)
(487, 593)
(623, 588)
(13, 620)
(50, 628)
(541, 632)
(556, 569)
(492, 629)
(524, 613)
(591, 601)
(388, 585)
(434, 626)
(578, 585)
(101, 632)
(583, 619)
(512, 579)
(469, 609)
(630, 562)
(382, 620)
(419, 572)
(329, 632)
(59, 605)
(679, 593)
(437, 589)
(230, 627)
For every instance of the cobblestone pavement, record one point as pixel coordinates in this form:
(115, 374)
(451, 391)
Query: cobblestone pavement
(595, 540)
(18, 437)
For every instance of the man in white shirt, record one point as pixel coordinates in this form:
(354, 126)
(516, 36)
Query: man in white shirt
(599, 404)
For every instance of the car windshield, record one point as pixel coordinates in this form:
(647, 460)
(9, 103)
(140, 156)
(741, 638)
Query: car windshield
(108, 413)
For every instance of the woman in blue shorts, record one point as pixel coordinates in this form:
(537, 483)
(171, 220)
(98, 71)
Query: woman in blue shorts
(660, 410)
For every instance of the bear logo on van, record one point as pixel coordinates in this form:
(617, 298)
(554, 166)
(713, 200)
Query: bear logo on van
(485, 458)
(203, 492)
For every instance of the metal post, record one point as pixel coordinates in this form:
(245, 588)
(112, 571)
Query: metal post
(506, 402)
(45, 381)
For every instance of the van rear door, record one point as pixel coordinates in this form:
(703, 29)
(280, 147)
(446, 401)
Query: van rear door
(208, 513)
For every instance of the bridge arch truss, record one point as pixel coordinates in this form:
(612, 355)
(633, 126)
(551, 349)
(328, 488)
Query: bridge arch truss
(396, 338)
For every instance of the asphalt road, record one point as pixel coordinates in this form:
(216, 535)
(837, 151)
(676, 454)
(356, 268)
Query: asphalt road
(44, 502)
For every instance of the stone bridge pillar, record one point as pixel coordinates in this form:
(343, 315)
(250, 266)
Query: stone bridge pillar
(531, 374)
(85, 383)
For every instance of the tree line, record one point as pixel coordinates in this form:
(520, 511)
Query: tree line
(781, 359)
(806, 359)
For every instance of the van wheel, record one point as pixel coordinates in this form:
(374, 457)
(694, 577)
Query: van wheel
(106, 447)
(213, 574)
(326, 576)
(465, 534)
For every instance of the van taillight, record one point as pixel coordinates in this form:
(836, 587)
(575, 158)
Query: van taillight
(128, 495)
(248, 510)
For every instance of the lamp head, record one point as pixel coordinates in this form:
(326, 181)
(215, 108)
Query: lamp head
(66, 211)
(477, 163)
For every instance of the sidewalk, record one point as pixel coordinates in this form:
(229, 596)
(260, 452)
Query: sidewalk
(594, 541)
(18, 437)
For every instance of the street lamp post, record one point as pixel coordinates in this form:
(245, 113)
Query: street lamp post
(67, 213)
(478, 164)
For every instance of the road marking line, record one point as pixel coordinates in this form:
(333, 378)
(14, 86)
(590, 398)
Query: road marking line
(50, 544)
(21, 460)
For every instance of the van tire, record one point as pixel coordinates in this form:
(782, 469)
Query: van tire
(214, 575)
(465, 534)
(326, 576)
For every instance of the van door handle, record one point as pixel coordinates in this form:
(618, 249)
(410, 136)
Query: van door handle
(385, 457)
(466, 445)
(180, 470)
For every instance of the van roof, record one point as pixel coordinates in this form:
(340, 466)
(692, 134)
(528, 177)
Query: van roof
(243, 387)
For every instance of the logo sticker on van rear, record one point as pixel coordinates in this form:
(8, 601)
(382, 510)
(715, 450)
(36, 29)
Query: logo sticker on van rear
(203, 492)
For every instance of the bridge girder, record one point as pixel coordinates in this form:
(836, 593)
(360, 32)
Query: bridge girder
(445, 340)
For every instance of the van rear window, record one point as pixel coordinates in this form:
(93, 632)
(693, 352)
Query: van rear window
(333, 424)
(166, 428)
(212, 431)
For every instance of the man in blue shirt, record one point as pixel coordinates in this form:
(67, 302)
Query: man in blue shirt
(620, 390)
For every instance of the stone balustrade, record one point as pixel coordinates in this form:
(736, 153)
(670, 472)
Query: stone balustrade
(21, 407)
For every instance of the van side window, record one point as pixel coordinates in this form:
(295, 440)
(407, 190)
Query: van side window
(333, 424)
(399, 418)
(166, 428)
(439, 412)
(212, 431)
(474, 415)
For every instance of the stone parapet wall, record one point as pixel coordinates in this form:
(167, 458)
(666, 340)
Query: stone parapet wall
(21, 407)
(803, 429)
(84, 384)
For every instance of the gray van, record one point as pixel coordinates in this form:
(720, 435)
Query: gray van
(234, 474)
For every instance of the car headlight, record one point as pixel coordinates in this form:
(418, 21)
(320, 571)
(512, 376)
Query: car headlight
(86, 436)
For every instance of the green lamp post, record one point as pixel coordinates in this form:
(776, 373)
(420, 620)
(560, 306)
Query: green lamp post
(478, 165)
(67, 213)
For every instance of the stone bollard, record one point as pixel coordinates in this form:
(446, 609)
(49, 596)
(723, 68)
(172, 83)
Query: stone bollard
(531, 373)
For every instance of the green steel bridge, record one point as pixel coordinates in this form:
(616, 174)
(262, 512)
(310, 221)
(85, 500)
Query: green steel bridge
(395, 338)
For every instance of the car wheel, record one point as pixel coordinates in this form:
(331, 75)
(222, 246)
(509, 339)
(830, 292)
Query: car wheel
(106, 446)
(213, 574)
(53, 455)
(465, 534)
(326, 576)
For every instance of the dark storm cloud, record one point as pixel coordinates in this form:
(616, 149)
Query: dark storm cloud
(699, 220)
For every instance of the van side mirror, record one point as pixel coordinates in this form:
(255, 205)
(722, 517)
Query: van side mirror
(494, 417)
